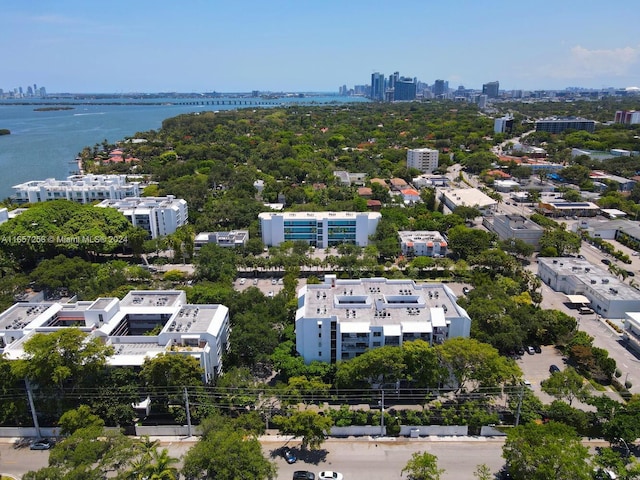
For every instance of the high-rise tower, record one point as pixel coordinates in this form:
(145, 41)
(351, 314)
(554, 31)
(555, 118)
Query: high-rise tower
(377, 86)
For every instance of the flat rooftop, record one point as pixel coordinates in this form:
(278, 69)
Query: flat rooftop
(470, 197)
(101, 303)
(193, 318)
(151, 298)
(420, 235)
(379, 302)
(318, 215)
(20, 315)
(592, 276)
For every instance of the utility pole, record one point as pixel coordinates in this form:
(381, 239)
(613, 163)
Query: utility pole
(186, 406)
(32, 405)
(382, 413)
(519, 405)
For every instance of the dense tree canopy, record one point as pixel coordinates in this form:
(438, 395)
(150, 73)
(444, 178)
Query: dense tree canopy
(226, 452)
(541, 452)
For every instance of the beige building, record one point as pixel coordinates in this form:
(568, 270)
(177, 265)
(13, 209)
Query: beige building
(423, 159)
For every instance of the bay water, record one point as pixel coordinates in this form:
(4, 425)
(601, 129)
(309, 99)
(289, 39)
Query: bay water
(44, 144)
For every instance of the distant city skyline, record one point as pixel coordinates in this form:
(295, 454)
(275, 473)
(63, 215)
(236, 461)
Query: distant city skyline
(286, 45)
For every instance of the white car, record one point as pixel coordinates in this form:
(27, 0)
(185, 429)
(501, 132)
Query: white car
(330, 475)
(242, 281)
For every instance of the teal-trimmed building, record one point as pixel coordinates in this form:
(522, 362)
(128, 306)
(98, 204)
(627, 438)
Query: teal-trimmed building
(319, 229)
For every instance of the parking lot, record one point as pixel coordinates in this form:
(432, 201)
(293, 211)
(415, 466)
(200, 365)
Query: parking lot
(535, 368)
(269, 286)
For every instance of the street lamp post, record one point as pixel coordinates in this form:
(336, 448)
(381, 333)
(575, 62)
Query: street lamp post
(628, 452)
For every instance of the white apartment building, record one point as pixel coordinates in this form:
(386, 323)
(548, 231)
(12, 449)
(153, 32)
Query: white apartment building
(77, 188)
(341, 319)
(423, 159)
(608, 296)
(422, 243)
(157, 215)
(200, 331)
(319, 229)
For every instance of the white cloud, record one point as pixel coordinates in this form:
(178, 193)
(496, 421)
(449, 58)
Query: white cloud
(582, 63)
(613, 62)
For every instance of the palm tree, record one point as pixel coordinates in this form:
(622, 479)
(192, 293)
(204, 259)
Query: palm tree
(160, 466)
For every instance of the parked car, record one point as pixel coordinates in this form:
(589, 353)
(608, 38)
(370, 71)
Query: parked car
(465, 290)
(303, 475)
(553, 369)
(41, 444)
(630, 273)
(243, 281)
(520, 350)
(288, 455)
(606, 261)
(328, 475)
(273, 281)
(537, 348)
(531, 350)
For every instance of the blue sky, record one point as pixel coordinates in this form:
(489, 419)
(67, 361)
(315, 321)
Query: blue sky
(300, 45)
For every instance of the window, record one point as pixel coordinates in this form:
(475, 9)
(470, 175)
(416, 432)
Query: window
(319, 334)
(376, 344)
(377, 334)
(319, 354)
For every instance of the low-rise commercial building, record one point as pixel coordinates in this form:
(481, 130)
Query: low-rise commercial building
(77, 188)
(631, 332)
(512, 227)
(232, 239)
(568, 209)
(318, 229)
(467, 197)
(422, 243)
(619, 229)
(200, 331)
(624, 184)
(506, 185)
(428, 180)
(159, 216)
(608, 296)
(341, 319)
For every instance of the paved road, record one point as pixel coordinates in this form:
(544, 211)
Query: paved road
(358, 459)
(372, 459)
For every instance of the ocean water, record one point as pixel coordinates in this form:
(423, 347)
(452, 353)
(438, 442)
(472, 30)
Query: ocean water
(44, 144)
